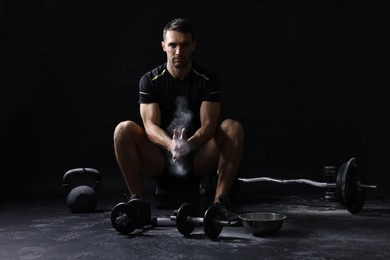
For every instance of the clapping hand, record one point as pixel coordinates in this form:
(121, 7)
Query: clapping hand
(180, 146)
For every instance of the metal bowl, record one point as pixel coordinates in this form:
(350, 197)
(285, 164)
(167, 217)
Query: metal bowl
(262, 223)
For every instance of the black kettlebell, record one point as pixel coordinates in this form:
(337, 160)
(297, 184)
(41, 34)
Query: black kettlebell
(83, 184)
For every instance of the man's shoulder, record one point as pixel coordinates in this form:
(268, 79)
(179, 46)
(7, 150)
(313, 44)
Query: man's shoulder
(203, 71)
(156, 72)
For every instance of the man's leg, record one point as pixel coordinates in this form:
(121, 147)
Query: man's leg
(134, 153)
(222, 153)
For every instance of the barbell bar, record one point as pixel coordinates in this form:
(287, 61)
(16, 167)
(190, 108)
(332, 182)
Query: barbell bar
(305, 181)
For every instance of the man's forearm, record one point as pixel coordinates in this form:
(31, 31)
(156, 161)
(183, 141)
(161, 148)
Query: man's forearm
(158, 136)
(201, 136)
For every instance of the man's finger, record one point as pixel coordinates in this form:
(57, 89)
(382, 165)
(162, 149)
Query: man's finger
(175, 134)
(183, 134)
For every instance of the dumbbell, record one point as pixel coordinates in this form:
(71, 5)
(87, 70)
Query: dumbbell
(131, 215)
(82, 185)
(186, 219)
(349, 187)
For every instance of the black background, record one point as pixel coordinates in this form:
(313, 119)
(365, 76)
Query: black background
(297, 75)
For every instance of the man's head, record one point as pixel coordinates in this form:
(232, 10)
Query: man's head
(178, 43)
(179, 25)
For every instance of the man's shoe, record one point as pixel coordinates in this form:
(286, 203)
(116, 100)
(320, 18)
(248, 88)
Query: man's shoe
(226, 210)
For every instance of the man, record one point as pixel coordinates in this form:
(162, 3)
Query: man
(182, 129)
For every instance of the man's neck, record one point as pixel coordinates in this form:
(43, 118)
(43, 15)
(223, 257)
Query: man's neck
(179, 73)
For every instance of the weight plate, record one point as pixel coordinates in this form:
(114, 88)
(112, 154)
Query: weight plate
(340, 184)
(143, 210)
(353, 196)
(184, 226)
(212, 229)
(124, 218)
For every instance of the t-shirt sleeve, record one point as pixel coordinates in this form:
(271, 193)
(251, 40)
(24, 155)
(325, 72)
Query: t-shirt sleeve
(213, 92)
(146, 90)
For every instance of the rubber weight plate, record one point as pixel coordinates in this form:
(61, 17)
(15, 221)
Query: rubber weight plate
(352, 197)
(143, 210)
(184, 226)
(211, 228)
(340, 184)
(124, 218)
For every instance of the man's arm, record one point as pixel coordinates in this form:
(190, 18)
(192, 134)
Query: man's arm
(151, 118)
(209, 118)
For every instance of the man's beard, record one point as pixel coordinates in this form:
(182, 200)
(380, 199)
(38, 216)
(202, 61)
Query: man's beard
(183, 63)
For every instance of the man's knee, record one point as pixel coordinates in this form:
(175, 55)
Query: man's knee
(126, 131)
(233, 128)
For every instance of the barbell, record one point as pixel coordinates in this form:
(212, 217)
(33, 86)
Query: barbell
(349, 187)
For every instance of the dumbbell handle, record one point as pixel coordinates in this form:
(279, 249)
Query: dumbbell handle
(162, 221)
(200, 220)
(366, 186)
(306, 181)
(195, 220)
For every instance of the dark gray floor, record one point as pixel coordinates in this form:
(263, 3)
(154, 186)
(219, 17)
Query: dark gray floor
(44, 228)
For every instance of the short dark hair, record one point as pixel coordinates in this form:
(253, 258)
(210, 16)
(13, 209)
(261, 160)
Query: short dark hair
(180, 25)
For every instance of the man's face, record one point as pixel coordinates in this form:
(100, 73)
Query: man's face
(178, 47)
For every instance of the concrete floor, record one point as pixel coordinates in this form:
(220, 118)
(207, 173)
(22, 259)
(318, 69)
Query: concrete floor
(44, 228)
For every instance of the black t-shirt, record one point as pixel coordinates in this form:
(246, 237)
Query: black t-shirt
(179, 100)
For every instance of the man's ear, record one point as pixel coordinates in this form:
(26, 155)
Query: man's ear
(194, 46)
(163, 45)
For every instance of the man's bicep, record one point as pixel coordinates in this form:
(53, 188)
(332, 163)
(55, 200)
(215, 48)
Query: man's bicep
(150, 113)
(210, 112)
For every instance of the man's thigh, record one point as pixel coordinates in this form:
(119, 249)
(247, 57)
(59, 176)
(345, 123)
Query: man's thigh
(152, 159)
(206, 159)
